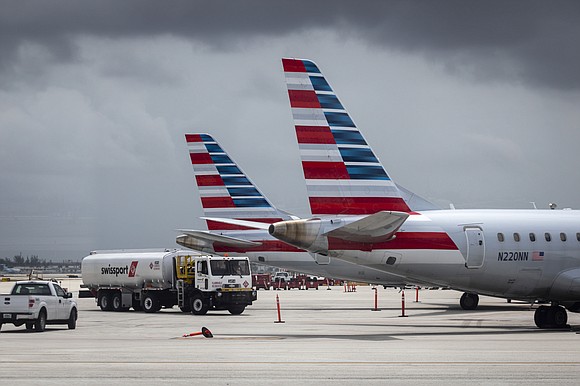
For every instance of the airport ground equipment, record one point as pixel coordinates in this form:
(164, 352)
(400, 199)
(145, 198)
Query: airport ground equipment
(36, 303)
(150, 280)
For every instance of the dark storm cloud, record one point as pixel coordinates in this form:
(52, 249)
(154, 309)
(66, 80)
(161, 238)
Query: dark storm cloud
(528, 41)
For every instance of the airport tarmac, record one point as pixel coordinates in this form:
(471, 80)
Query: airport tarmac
(330, 337)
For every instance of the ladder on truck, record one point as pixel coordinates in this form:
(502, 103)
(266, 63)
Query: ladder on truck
(180, 285)
(185, 272)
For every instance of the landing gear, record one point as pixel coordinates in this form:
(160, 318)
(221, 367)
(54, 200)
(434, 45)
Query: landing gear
(469, 301)
(551, 317)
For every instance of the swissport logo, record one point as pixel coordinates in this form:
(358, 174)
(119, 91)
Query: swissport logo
(133, 268)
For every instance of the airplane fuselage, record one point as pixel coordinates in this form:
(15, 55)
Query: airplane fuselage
(519, 254)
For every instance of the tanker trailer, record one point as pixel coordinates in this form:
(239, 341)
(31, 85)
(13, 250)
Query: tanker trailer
(150, 280)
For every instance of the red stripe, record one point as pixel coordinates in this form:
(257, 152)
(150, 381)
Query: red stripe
(356, 205)
(193, 138)
(209, 180)
(217, 202)
(315, 134)
(200, 158)
(267, 246)
(303, 98)
(325, 170)
(403, 240)
(220, 226)
(292, 65)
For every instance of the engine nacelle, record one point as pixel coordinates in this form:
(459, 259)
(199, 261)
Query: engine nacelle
(304, 234)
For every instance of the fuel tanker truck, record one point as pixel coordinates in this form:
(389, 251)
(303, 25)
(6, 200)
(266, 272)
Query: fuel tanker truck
(149, 280)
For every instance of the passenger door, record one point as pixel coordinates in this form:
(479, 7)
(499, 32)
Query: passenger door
(475, 247)
(62, 303)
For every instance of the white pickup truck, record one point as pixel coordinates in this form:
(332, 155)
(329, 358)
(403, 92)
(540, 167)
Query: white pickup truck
(37, 303)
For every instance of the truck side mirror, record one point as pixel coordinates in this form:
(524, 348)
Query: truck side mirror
(68, 295)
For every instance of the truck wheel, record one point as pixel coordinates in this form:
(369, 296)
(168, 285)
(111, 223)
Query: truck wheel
(72, 319)
(40, 323)
(185, 309)
(236, 309)
(105, 301)
(117, 302)
(199, 305)
(29, 326)
(151, 303)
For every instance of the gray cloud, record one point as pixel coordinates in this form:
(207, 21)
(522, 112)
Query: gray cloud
(531, 41)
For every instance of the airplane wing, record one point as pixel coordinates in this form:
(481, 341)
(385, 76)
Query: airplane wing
(374, 228)
(209, 237)
(244, 223)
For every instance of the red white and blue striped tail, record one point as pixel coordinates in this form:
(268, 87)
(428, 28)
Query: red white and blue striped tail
(343, 175)
(224, 189)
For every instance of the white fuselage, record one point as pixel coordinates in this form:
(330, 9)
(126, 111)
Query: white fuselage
(520, 254)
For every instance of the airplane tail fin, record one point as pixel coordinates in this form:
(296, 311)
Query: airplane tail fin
(224, 189)
(343, 175)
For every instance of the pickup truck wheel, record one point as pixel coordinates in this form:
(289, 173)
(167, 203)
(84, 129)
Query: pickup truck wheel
(40, 323)
(105, 301)
(236, 309)
(199, 305)
(29, 326)
(72, 319)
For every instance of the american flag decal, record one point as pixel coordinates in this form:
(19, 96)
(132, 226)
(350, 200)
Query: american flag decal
(537, 256)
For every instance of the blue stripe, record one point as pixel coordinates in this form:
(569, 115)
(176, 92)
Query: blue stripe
(357, 155)
(339, 119)
(221, 159)
(319, 83)
(206, 138)
(228, 170)
(329, 102)
(345, 137)
(241, 192)
(310, 67)
(213, 148)
(251, 203)
(367, 173)
(233, 181)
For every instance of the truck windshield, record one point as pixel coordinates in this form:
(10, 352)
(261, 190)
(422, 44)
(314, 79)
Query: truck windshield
(31, 289)
(230, 267)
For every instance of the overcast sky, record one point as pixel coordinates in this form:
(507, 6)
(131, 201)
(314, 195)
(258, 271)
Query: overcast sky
(466, 102)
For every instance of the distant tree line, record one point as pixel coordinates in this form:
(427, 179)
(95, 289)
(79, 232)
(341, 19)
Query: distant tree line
(34, 261)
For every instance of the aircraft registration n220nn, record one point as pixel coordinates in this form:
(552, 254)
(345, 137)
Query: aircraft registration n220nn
(359, 216)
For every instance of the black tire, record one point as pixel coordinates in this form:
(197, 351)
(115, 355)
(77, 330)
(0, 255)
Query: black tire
(151, 303)
(105, 301)
(137, 305)
(185, 309)
(117, 302)
(541, 316)
(236, 309)
(30, 326)
(72, 319)
(40, 324)
(558, 316)
(469, 301)
(199, 305)
(0, 326)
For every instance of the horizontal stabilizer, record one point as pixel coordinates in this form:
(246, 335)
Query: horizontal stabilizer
(213, 237)
(244, 223)
(374, 228)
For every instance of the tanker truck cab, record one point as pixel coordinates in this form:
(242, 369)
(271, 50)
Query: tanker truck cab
(217, 282)
(150, 280)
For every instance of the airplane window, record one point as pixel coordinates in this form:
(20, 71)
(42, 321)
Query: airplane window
(532, 237)
(563, 236)
(578, 236)
(500, 237)
(548, 236)
(517, 237)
